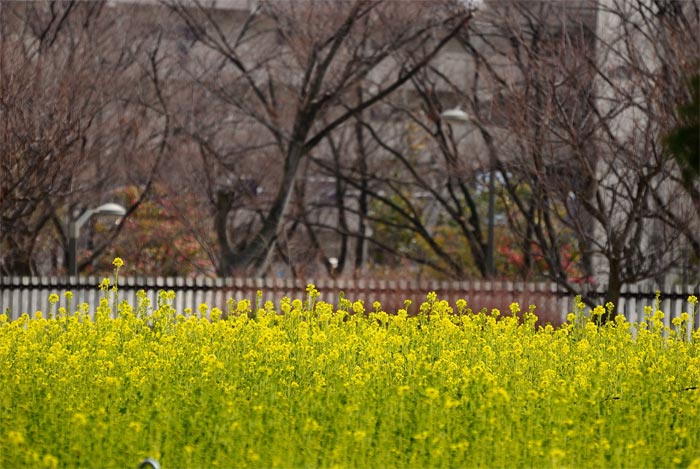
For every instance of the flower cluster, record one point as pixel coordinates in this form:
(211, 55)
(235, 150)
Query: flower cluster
(309, 383)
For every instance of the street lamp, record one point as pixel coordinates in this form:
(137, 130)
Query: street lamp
(109, 209)
(458, 116)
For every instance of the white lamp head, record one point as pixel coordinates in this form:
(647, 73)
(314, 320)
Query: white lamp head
(455, 115)
(110, 209)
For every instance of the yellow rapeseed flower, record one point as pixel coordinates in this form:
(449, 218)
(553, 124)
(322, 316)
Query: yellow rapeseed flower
(461, 305)
(15, 437)
(79, 419)
(358, 307)
(117, 262)
(359, 435)
(53, 298)
(50, 461)
(312, 291)
(425, 371)
(243, 306)
(451, 403)
(557, 454)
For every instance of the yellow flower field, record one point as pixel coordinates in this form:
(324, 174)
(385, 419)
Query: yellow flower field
(308, 384)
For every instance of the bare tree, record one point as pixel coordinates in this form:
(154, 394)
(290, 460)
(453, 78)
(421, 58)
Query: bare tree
(46, 114)
(70, 132)
(410, 185)
(281, 81)
(582, 106)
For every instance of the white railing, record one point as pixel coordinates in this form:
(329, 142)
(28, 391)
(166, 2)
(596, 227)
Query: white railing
(30, 294)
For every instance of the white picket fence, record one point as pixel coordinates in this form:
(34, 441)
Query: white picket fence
(30, 294)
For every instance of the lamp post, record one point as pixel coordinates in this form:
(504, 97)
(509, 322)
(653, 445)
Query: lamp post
(458, 116)
(74, 226)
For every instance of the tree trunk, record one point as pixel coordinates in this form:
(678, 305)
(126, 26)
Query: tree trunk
(256, 255)
(612, 293)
